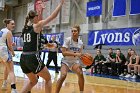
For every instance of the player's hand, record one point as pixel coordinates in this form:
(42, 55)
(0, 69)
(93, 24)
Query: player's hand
(62, 1)
(49, 45)
(13, 54)
(78, 54)
(13, 44)
(108, 56)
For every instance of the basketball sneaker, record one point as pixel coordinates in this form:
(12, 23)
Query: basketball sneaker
(121, 75)
(128, 76)
(134, 77)
(14, 91)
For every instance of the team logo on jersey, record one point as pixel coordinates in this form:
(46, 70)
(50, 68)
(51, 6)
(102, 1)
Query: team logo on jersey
(74, 49)
(136, 37)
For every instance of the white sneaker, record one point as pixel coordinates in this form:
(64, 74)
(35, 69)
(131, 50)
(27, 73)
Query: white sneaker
(128, 76)
(135, 76)
(14, 91)
(121, 75)
(4, 85)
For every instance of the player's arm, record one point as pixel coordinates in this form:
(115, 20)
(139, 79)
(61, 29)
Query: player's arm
(81, 49)
(137, 60)
(65, 52)
(130, 60)
(10, 42)
(41, 23)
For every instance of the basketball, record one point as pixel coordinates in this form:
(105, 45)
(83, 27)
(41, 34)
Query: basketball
(49, 46)
(86, 59)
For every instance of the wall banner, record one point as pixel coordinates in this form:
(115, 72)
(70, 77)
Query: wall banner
(59, 37)
(122, 36)
(94, 8)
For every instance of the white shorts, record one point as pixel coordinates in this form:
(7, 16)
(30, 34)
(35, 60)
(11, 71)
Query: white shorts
(4, 54)
(70, 63)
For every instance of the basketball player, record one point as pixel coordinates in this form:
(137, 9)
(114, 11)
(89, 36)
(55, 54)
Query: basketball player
(30, 61)
(6, 53)
(71, 50)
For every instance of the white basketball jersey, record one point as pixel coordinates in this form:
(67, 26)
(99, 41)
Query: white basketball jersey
(3, 34)
(3, 47)
(72, 46)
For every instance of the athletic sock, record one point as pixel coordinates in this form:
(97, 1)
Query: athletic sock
(5, 81)
(13, 86)
(29, 92)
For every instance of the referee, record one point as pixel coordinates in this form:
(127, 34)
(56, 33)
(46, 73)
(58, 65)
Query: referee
(52, 53)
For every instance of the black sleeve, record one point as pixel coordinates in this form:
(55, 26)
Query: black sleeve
(58, 44)
(43, 39)
(50, 41)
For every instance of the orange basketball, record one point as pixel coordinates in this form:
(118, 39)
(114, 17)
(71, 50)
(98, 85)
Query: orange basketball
(49, 46)
(87, 59)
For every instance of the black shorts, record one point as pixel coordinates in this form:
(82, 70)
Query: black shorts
(31, 63)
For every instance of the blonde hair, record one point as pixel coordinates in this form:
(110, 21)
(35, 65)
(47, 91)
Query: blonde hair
(7, 21)
(77, 27)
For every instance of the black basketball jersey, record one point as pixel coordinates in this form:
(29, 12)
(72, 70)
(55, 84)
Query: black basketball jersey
(30, 39)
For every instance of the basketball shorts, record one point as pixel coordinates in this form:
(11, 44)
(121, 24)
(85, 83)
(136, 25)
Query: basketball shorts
(70, 63)
(31, 63)
(5, 54)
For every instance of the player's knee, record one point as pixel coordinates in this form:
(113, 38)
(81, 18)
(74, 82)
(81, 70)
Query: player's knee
(63, 76)
(48, 78)
(34, 82)
(79, 71)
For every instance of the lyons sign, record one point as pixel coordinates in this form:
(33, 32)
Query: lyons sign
(123, 36)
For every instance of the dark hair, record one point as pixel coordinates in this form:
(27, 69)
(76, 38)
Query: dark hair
(110, 49)
(118, 49)
(7, 21)
(30, 15)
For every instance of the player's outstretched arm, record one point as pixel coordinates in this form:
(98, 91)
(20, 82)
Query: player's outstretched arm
(51, 17)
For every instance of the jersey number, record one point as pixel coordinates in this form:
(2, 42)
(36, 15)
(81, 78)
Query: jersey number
(27, 37)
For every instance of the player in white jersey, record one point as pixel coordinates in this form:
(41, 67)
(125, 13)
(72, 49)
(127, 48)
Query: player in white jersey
(71, 50)
(6, 53)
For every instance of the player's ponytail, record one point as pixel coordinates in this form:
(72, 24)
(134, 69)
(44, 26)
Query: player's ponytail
(29, 17)
(26, 22)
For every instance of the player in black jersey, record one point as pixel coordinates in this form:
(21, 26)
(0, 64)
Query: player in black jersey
(30, 60)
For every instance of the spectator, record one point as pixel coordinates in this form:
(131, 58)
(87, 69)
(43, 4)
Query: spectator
(127, 59)
(110, 58)
(118, 66)
(139, 67)
(134, 61)
(99, 60)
